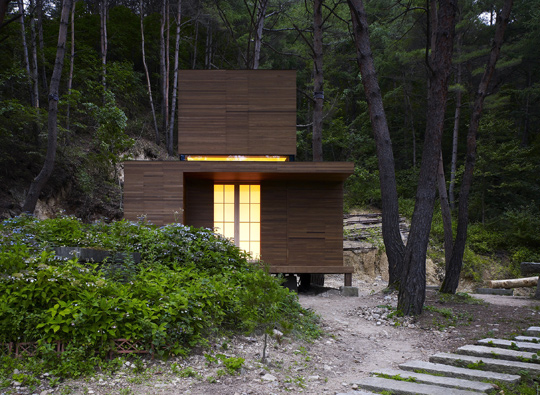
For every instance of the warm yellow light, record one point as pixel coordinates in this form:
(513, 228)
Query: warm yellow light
(237, 158)
(237, 215)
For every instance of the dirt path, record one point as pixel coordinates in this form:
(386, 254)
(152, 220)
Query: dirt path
(359, 339)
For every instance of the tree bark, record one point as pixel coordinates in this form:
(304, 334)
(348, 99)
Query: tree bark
(513, 283)
(71, 64)
(42, 46)
(3, 9)
(163, 68)
(451, 278)
(39, 182)
(34, 63)
(103, 10)
(387, 177)
(26, 59)
(148, 84)
(175, 78)
(455, 134)
(445, 212)
(318, 81)
(261, 14)
(413, 285)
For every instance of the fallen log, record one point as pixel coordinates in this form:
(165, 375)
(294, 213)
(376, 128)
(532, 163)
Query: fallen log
(513, 283)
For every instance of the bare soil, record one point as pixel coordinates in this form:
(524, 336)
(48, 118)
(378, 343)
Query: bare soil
(352, 347)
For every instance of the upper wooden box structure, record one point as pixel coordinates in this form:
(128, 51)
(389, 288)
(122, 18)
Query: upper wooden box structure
(237, 112)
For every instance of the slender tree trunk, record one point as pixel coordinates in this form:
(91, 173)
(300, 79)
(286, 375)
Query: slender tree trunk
(445, 212)
(196, 43)
(411, 122)
(42, 46)
(148, 84)
(104, 41)
(208, 47)
(163, 67)
(455, 138)
(390, 213)
(175, 77)
(34, 68)
(318, 81)
(39, 182)
(451, 278)
(3, 9)
(25, 52)
(261, 15)
(71, 63)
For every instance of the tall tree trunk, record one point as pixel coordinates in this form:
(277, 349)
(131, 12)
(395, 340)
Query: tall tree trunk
(208, 47)
(175, 78)
(71, 63)
(163, 68)
(34, 68)
(148, 84)
(39, 182)
(196, 43)
(455, 134)
(390, 213)
(318, 81)
(26, 59)
(42, 46)
(451, 278)
(3, 9)
(103, 11)
(445, 212)
(261, 14)
(413, 286)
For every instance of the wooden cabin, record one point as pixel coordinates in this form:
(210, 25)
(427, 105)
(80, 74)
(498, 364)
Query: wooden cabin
(237, 174)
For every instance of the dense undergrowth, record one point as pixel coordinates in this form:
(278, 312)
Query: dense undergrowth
(191, 285)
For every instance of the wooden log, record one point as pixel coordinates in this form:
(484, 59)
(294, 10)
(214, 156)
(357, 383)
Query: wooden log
(528, 268)
(514, 283)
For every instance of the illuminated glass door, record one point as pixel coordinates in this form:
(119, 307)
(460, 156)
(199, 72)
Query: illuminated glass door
(237, 215)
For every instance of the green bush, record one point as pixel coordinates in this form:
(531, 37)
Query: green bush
(191, 284)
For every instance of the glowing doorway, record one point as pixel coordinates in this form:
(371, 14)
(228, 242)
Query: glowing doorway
(237, 215)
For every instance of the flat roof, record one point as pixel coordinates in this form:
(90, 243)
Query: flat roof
(257, 171)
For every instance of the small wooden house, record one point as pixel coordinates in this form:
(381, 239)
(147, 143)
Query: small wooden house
(237, 174)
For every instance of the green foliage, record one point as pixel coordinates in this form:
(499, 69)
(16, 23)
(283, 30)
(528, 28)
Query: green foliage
(190, 285)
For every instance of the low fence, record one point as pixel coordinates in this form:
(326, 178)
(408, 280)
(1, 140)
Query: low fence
(120, 346)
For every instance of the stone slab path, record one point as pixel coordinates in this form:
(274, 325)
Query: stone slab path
(469, 371)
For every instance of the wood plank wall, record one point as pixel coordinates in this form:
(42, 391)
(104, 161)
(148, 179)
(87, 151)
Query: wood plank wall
(199, 203)
(237, 112)
(154, 190)
(301, 223)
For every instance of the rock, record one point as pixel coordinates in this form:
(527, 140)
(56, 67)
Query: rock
(16, 384)
(313, 378)
(268, 377)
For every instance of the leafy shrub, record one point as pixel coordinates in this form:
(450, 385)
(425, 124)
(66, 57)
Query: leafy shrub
(191, 284)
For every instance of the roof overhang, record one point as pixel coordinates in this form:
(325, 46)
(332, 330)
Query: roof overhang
(260, 171)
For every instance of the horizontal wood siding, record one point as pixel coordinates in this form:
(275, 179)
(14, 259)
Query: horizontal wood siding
(274, 222)
(199, 206)
(237, 112)
(314, 223)
(153, 190)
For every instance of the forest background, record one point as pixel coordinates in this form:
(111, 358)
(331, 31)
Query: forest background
(117, 100)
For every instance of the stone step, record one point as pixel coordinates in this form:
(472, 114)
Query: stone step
(458, 372)
(442, 381)
(495, 365)
(514, 345)
(532, 339)
(499, 353)
(408, 388)
(357, 392)
(533, 331)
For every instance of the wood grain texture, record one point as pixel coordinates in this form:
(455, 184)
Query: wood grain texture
(153, 190)
(230, 112)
